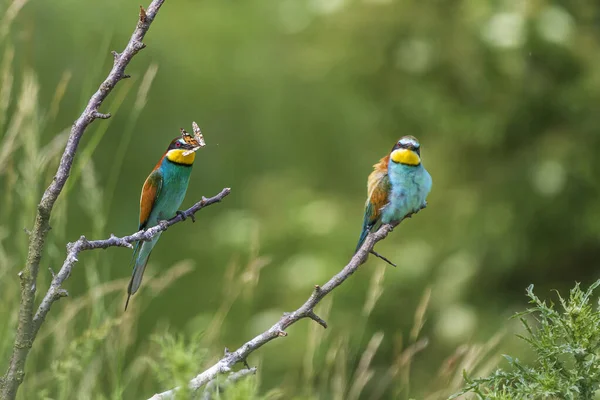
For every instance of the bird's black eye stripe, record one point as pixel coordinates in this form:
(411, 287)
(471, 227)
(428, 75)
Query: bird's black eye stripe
(408, 146)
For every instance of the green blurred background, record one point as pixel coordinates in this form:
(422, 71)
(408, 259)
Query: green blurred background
(297, 99)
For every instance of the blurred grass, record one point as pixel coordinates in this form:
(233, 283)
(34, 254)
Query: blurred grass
(297, 99)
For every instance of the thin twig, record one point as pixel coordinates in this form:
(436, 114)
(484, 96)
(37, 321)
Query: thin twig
(82, 244)
(225, 364)
(376, 254)
(25, 328)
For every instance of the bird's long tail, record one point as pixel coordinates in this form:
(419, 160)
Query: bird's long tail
(141, 254)
(367, 227)
(363, 235)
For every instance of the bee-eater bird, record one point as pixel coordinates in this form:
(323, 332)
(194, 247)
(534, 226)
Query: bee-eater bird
(162, 195)
(397, 187)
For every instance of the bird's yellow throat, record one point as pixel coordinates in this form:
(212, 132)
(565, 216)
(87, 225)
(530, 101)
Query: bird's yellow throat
(176, 156)
(406, 157)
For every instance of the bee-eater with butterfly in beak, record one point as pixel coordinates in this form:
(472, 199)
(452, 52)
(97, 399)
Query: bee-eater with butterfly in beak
(397, 187)
(162, 195)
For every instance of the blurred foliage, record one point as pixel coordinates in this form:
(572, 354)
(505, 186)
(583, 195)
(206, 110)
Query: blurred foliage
(566, 343)
(177, 361)
(297, 99)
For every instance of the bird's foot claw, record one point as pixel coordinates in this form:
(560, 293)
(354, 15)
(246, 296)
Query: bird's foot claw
(245, 362)
(184, 216)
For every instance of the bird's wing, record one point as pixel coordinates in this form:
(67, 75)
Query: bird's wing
(150, 193)
(378, 188)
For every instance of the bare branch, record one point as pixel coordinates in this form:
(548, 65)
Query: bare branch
(25, 327)
(225, 364)
(82, 244)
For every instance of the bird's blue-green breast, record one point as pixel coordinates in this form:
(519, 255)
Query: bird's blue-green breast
(410, 186)
(176, 178)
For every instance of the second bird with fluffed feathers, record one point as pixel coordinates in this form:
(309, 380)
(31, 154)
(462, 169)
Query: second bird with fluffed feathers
(397, 187)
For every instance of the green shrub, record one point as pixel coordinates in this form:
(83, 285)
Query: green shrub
(566, 342)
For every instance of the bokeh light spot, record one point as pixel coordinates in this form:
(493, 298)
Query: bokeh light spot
(293, 16)
(236, 228)
(413, 259)
(304, 270)
(414, 56)
(506, 30)
(319, 217)
(456, 323)
(326, 6)
(555, 24)
(549, 178)
(454, 273)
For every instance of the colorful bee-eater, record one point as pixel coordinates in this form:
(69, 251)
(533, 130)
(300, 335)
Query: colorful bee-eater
(397, 187)
(162, 194)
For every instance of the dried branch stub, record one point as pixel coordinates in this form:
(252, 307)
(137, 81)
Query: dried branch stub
(197, 140)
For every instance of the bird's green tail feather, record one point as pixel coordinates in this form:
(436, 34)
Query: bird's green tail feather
(363, 236)
(140, 257)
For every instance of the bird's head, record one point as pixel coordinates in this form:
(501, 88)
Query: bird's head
(406, 151)
(182, 149)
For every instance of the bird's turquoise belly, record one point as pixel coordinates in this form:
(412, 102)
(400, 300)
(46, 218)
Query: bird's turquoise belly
(401, 204)
(410, 188)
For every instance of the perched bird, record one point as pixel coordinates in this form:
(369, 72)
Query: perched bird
(162, 195)
(397, 187)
